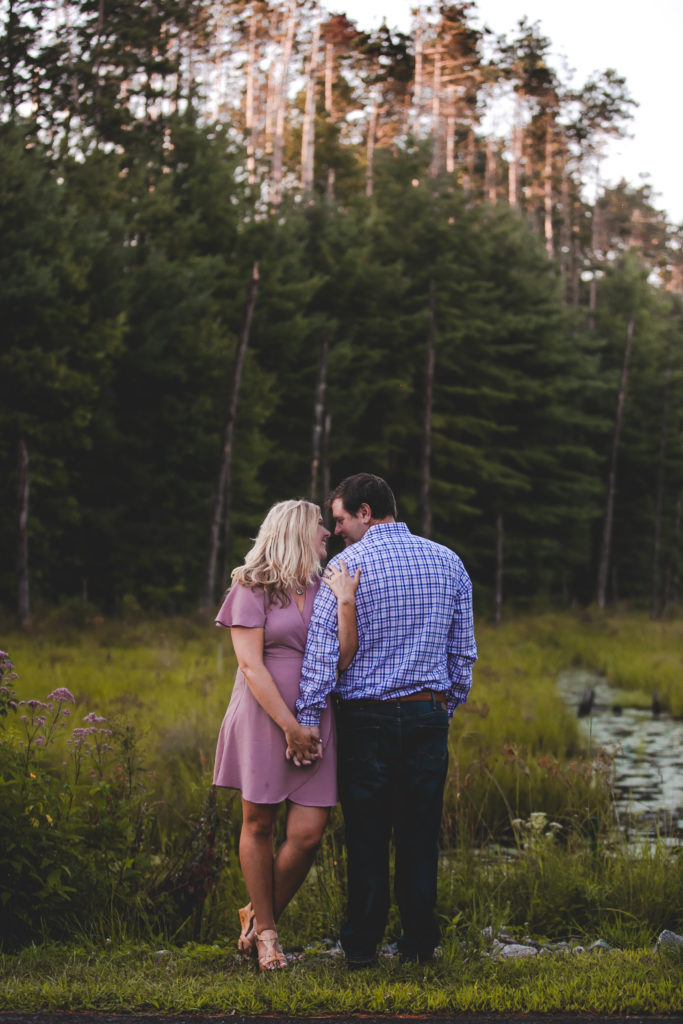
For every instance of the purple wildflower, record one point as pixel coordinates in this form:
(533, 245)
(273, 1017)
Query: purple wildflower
(62, 695)
(33, 704)
(92, 717)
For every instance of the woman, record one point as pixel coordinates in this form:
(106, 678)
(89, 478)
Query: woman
(268, 609)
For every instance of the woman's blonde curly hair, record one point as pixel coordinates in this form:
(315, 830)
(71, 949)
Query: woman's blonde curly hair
(283, 555)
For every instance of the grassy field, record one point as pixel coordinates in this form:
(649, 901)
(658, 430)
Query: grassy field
(208, 979)
(139, 853)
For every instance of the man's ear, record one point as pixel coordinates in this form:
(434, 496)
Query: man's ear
(364, 512)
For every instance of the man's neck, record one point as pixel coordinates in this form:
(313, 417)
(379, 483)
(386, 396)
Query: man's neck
(387, 519)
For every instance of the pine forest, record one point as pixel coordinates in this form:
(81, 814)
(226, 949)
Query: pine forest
(248, 248)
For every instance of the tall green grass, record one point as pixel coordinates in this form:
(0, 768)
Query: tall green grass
(515, 752)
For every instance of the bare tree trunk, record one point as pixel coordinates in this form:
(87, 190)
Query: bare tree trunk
(565, 235)
(319, 414)
(514, 170)
(23, 604)
(329, 78)
(308, 132)
(271, 107)
(576, 273)
(490, 173)
(436, 116)
(425, 500)
(279, 137)
(326, 455)
(593, 286)
(450, 132)
(548, 194)
(419, 64)
(329, 107)
(221, 507)
(498, 589)
(596, 230)
(606, 547)
(471, 156)
(370, 148)
(659, 498)
(249, 111)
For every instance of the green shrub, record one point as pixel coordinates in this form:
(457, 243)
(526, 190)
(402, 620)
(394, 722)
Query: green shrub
(81, 843)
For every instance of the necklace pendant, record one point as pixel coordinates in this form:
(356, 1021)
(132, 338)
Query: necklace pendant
(299, 590)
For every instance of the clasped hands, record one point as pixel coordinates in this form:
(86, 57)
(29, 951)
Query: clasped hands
(304, 745)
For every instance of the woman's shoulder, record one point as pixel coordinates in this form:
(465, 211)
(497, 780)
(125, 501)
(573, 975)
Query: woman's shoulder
(243, 606)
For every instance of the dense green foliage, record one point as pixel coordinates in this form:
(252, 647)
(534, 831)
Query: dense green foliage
(123, 297)
(131, 218)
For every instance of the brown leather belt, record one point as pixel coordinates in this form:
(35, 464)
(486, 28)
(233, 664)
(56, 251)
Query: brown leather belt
(422, 695)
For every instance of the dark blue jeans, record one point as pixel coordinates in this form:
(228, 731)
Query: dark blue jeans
(393, 759)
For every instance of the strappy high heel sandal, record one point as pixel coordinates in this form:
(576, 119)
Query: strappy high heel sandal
(269, 950)
(246, 943)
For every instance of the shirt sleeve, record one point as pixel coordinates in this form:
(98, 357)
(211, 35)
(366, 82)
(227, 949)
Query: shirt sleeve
(319, 669)
(461, 645)
(243, 606)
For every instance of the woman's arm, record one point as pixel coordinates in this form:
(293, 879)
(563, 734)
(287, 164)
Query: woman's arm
(302, 740)
(344, 588)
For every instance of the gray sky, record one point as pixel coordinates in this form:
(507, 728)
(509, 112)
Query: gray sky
(640, 41)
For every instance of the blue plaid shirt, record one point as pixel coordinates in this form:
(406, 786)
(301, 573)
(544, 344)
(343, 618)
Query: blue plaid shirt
(415, 626)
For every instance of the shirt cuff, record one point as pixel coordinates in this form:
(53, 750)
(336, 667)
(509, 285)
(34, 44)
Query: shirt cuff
(310, 716)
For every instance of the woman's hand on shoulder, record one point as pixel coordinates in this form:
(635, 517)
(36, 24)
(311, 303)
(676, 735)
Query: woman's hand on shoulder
(341, 583)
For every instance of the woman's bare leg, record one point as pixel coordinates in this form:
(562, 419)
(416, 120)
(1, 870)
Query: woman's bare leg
(256, 859)
(305, 827)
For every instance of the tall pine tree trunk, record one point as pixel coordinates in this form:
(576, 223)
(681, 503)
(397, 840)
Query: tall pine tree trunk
(515, 167)
(548, 195)
(370, 148)
(450, 133)
(606, 546)
(220, 516)
(329, 108)
(426, 468)
(659, 499)
(490, 173)
(498, 588)
(436, 116)
(565, 235)
(319, 415)
(471, 157)
(418, 84)
(593, 286)
(281, 111)
(249, 112)
(308, 132)
(23, 604)
(327, 430)
(329, 78)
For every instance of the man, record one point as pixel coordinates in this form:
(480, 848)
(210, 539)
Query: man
(393, 704)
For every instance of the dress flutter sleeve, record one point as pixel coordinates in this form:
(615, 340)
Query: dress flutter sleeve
(243, 606)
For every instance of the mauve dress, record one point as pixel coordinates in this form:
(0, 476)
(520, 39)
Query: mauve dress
(250, 755)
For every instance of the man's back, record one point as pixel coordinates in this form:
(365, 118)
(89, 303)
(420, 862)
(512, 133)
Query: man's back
(411, 592)
(414, 614)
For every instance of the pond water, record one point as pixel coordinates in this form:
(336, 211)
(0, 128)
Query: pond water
(647, 750)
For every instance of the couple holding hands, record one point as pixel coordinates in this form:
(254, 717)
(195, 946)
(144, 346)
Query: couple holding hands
(345, 689)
